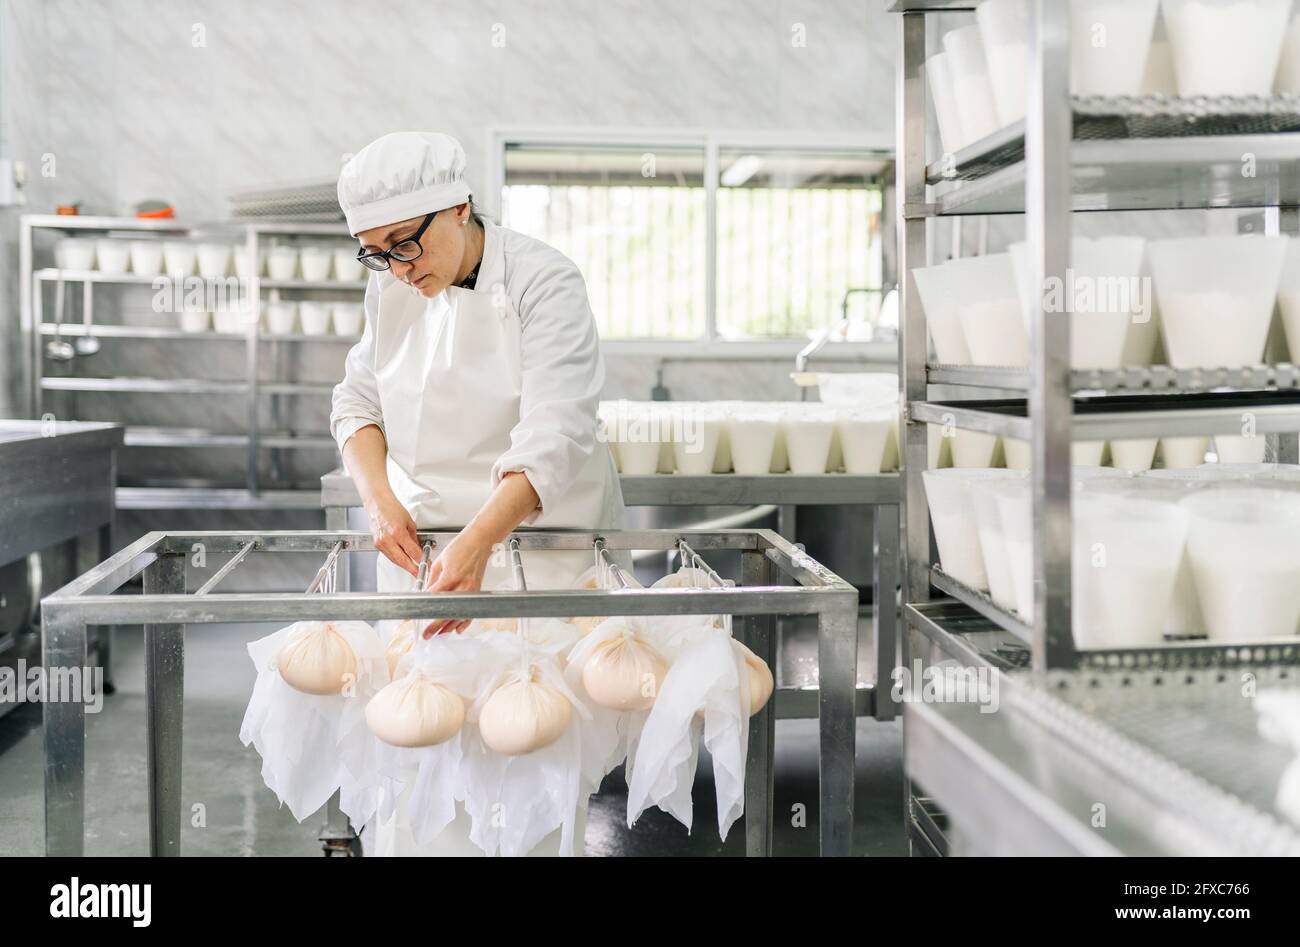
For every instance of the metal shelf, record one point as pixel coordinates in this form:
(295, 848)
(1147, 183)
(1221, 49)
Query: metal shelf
(51, 274)
(981, 603)
(932, 6)
(337, 285)
(181, 386)
(972, 615)
(71, 223)
(1161, 379)
(966, 635)
(247, 235)
(206, 498)
(143, 436)
(1124, 416)
(296, 388)
(168, 332)
(1137, 153)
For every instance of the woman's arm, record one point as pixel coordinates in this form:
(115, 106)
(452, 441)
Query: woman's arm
(461, 564)
(357, 424)
(365, 455)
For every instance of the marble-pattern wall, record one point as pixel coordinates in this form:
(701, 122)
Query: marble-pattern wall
(191, 100)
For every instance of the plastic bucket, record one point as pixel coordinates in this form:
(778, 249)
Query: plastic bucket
(1288, 67)
(946, 114)
(1288, 297)
(864, 440)
(993, 548)
(952, 513)
(1004, 30)
(808, 440)
(1226, 47)
(940, 291)
(1103, 293)
(752, 441)
(1109, 43)
(972, 89)
(1135, 454)
(988, 308)
(1239, 449)
(1183, 452)
(1245, 558)
(1216, 297)
(1126, 554)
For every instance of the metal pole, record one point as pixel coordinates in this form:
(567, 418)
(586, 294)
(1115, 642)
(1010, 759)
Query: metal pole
(164, 648)
(885, 616)
(251, 357)
(913, 342)
(63, 655)
(760, 766)
(837, 674)
(1048, 130)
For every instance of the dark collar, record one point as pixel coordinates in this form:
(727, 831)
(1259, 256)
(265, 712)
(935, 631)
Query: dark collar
(469, 281)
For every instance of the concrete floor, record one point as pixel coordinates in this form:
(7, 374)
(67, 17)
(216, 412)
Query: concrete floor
(230, 811)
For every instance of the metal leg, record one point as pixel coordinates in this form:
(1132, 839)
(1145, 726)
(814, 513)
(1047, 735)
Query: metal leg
(63, 654)
(337, 837)
(91, 550)
(164, 649)
(885, 618)
(760, 766)
(837, 672)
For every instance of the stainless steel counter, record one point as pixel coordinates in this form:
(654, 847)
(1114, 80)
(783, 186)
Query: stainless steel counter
(56, 518)
(58, 482)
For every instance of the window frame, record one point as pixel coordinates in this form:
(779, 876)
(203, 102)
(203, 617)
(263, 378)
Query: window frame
(711, 143)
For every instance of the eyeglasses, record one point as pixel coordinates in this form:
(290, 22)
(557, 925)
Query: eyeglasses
(407, 251)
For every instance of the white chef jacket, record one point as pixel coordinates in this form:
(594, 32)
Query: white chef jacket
(474, 384)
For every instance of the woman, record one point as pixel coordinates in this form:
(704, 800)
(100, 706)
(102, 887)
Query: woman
(470, 401)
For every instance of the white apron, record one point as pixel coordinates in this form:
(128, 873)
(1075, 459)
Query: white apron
(448, 373)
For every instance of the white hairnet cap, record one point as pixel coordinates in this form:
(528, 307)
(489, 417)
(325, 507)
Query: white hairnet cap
(402, 175)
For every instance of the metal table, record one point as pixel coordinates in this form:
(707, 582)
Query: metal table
(785, 491)
(165, 609)
(1105, 763)
(59, 478)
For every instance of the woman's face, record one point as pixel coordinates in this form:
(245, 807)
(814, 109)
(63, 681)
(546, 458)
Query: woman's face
(444, 248)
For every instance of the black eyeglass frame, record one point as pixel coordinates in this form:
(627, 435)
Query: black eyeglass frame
(382, 259)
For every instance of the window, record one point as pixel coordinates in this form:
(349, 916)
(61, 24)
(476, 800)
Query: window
(794, 230)
(634, 222)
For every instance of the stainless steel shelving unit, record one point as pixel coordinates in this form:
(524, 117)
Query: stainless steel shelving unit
(1072, 155)
(166, 609)
(254, 439)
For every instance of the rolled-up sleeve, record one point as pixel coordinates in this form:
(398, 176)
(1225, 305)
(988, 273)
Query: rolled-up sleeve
(561, 378)
(356, 398)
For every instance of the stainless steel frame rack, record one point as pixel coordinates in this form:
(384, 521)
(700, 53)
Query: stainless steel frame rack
(784, 491)
(165, 609)
(260, 347)
(1068, 155)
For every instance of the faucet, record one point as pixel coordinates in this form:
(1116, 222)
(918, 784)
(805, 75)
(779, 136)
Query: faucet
(815, 345)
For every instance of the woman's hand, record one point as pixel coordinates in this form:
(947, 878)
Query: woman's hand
(458, 568)
(394, 533)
